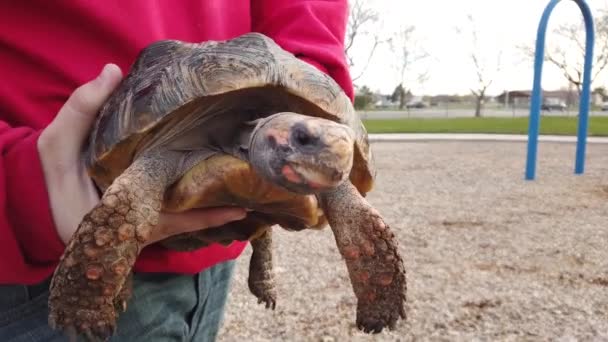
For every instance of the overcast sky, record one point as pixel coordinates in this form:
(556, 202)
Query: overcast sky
(502, 26)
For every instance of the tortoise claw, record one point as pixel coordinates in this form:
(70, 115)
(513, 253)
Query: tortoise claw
(369, 320)
(91, 324)
(269, 301)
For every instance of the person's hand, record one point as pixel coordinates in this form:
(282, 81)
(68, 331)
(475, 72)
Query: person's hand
(71, 191)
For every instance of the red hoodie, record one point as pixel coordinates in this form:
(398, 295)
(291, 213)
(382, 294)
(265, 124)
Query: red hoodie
(49, 48)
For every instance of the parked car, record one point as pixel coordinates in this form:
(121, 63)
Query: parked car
(604, 106)
(416, 103)
(553, 105)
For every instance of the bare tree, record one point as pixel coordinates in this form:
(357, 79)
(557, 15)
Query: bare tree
(362, 22)
(482, 67)
(408, 52)
(566, 51)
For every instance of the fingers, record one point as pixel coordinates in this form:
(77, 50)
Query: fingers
(193, 220)
(68, 131)
(88, 98)
(71, 191)
(201, 218)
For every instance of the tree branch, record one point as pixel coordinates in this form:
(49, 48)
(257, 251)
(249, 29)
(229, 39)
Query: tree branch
(572, 66)
(359, 17)
(369, 58)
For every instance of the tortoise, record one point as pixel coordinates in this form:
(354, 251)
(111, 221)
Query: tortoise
(239, 122)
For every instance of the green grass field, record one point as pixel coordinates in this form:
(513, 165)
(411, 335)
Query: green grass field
(598, 126)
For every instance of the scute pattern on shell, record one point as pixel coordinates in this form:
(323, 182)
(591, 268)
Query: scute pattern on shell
(169, 74)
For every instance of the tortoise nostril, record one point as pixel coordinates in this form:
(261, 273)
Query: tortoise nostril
(336, 175)
(272, 141)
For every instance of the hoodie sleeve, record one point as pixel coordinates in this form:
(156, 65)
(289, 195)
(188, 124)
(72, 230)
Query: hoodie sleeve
(29, 244)
(313, 30)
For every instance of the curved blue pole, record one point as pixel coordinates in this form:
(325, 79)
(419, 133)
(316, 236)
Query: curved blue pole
(535, 101)
(583, 119)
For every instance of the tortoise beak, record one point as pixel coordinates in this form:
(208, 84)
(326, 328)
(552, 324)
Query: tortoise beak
(316, 176)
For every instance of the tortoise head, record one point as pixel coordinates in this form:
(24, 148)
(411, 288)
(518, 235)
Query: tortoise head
(304, 154)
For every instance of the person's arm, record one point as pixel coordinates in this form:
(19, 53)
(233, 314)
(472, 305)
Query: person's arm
(45, 190)
(313, 30)
(43, 184)
(29, 244)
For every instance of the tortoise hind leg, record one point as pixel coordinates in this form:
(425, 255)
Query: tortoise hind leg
(90, 278)
(372, 257)
(261, 273)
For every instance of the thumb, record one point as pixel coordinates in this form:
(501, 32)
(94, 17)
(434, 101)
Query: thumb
(74, 120)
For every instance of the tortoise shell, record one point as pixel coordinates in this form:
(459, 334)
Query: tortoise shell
(251, 72)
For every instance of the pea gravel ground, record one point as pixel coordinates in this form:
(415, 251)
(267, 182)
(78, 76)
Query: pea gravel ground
(489, 256)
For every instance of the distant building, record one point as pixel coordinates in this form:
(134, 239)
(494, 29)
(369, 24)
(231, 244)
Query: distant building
(444, 99)
(384, 101)
(521, 98)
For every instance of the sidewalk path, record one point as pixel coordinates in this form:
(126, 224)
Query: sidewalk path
(396, 137)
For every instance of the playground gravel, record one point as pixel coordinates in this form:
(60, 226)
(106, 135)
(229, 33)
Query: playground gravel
(489, 256)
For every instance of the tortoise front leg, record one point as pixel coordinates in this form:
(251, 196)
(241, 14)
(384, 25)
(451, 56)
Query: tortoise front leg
(261, 273)
(372, 257)
(89, 279)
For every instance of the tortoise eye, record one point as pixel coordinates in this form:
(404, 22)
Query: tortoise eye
(302, 137)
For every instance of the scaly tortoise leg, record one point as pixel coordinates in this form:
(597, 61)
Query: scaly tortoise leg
(89, 279)
(372, 257)
(261, 273)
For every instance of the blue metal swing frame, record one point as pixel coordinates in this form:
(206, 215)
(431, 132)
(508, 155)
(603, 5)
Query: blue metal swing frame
(585, 99)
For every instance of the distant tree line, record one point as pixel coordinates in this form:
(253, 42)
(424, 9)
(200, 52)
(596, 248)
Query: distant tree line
(565, 50)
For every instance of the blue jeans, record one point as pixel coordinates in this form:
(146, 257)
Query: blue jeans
(164, 307)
